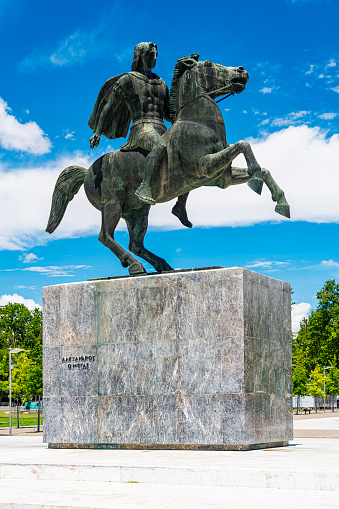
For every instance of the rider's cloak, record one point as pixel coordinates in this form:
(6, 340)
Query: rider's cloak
(120, 117)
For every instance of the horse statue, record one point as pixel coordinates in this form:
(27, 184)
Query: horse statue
(197, 155)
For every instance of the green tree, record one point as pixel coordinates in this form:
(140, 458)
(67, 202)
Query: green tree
(21, 328)
(316, 383)
(26, 377)
(4, 369)
(318, 337)
(332, 381)
(300, 372)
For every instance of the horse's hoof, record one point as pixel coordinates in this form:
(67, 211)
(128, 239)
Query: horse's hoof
(283, 209)
(136, 268)
(256, 184)
(163, 266)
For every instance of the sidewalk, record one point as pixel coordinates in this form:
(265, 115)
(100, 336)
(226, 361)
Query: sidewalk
(303, 475)
(25, 431)
(325, 425)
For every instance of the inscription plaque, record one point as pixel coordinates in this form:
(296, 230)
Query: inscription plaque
(81, 362)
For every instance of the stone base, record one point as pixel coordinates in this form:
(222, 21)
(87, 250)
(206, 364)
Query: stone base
(171, 447)
(177, 360)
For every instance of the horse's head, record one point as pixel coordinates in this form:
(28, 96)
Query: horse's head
(219, 80)
(192, 79)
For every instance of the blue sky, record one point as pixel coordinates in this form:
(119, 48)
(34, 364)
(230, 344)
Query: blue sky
(55, 58)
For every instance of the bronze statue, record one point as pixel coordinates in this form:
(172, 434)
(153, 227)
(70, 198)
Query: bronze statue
(142, 96)
(197, 154)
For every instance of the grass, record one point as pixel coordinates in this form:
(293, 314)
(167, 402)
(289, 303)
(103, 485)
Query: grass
(27, 419)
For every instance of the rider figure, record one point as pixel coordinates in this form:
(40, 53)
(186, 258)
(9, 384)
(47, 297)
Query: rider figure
(142, 96)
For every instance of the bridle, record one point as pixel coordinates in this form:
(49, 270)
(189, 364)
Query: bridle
(228, 83)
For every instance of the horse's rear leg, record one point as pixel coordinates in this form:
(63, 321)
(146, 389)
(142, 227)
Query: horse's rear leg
(282, 207)
(137, 223)
(110, 217)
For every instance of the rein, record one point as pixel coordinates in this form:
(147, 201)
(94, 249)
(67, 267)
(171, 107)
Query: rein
(228, 83)
(193, 100)
(222, 88)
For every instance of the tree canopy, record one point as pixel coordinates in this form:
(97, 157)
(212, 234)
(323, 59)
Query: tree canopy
(317, 345)
(21, 328)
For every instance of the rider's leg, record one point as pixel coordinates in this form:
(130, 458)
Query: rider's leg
(158, 147)
(179, 210)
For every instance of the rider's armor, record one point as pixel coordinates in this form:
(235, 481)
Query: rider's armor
(135, 97)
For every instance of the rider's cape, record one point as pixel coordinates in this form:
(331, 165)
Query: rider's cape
(120, 118)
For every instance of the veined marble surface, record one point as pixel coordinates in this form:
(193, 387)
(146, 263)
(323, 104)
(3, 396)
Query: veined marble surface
(189, 358)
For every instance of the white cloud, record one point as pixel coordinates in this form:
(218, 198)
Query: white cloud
(69, 136)
(296, 156)
(73, 49)
(29, 258)
(81, 45)
(266, 264)
(55, 270)
(335, 89)
(70, 49)
(18, 299)
(24, 287)
(329, 263)
(27, 137)
(50, 270)
(25, 196)
(332, 63)
(292, 118)
(266, 90)
(310, 71)
(299, 311)
(327, 116)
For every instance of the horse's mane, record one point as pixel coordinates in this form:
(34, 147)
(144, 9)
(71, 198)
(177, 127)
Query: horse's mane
(181, 66)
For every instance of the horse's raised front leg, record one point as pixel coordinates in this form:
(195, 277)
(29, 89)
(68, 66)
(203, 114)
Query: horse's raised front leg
(137, 223)
(111, 214)
(282, 207)
(210, 164)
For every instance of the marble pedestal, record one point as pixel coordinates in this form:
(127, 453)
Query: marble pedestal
(188, 359)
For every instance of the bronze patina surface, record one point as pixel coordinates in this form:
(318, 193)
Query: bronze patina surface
(155, 165)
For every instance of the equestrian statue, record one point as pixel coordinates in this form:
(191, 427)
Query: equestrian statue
(156, 165)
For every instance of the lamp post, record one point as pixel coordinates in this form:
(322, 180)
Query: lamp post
(12, 350)
(326, 367)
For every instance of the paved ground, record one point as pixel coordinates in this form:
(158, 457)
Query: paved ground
(318, 415)
(304, 475)
(65, 495)
(320, 425)
(25, 431)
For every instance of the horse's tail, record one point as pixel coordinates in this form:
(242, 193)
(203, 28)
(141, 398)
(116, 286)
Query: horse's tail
(68, 184)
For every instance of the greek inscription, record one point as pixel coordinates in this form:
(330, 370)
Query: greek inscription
(80, 362)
